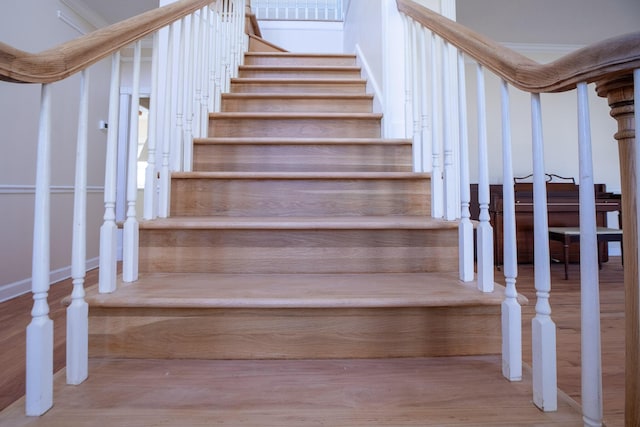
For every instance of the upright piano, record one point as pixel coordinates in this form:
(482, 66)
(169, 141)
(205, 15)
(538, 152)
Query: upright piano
(563, 211)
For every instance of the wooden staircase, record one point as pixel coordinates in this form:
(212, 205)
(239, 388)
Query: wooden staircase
(300, 233)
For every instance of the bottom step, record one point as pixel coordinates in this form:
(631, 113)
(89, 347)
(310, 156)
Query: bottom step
(237, 316)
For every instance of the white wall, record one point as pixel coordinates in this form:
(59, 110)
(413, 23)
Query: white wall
(33, 26)
(304, 36)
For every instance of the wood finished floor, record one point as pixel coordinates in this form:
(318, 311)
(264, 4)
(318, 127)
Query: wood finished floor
(351, 406)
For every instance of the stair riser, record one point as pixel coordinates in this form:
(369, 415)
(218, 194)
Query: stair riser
(302, 158)
(300, 105)
(286, 73)
(356, 86)
(294, 127)
(299, 197)
(293, 60)
(294, 333)
(298, 251)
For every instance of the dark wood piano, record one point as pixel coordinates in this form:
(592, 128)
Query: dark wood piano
(563, 209)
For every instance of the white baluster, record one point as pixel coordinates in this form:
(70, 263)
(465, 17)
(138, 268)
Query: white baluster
(465, 229)
(151, 180)
(437, 185)
(179, 141)
(589, 275)
(109, 230)
(131, 232)
(484, 231)
(204, 66)
(511, 310)
(165, 172)
(408, 80)
(425, 131)
(543, 330)
(78, 310)
(39, 381)
(196, 40)
(218, 59)
(189, 91)
(416, 88)
(451, 207)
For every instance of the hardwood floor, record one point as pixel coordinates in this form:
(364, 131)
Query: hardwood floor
(14, 317)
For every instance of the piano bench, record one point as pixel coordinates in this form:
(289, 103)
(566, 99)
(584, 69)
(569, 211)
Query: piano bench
(568, 235)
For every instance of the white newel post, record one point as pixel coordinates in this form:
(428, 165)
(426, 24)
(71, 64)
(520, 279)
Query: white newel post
(543, 329)
(484, 230)
(465, 229)
(589, 275)
(39, 375)
(109, 230)
(78, 310)
(131, 232)
(511, 310)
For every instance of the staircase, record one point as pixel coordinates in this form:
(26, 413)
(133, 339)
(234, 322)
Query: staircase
(299, 234)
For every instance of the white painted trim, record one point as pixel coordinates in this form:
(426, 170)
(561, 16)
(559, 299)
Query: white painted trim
(301, 25)
(21, 287)
(55, 189)
(70, 22)
(372, 84)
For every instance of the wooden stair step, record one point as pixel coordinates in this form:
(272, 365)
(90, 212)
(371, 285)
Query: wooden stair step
(300, 154)
(298, 245)
(280, 316)
(276, 85)
(305, 125)
(299, 72)
(287, 58)
(297, 102)
(299, 193)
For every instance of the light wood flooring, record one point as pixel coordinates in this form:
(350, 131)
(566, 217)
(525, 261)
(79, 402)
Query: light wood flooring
(420, 391)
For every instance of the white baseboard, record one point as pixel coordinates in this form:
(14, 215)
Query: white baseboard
(372, 84)
(21, 287)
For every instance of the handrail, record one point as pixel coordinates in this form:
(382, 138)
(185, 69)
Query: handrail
(68, 58)
(602, 60)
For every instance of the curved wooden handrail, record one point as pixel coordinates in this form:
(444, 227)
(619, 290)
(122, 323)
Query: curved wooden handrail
(599, 61)
(71, 57)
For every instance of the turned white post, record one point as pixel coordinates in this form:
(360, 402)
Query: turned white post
(131, 232)
(178, 153)
(39, 366)
(589, 275)
(109, 230)
(218, 61)
(543, 330)
(150, 176)
(484, 229)
(165, 174)
(204, 73)
(511, 310)
(437, 185)
(416, 96)
(408, 80)
(451, 207)
(465, 228)
(78, 310)
(425, 131)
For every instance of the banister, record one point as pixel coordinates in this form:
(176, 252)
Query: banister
(599, 61)
(68, 58)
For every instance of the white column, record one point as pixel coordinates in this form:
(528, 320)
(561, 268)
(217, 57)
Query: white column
(511, 310)
(130, 232)
(543, 330)
(484, 229)
(589, 275)
(109, 229)
(465, 229)
(78, 310)
(39, 381)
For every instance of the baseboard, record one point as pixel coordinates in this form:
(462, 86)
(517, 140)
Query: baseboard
(372, 84)
(21, 287)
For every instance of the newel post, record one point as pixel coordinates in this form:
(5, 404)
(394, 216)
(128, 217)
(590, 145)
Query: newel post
(619, 92)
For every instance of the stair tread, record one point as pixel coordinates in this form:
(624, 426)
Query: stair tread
(302, 175)
(289, 80)
(301, 223)
(207, 290)
(300, 67)
(303, 55)
(294, 115)
(302, 141)
(323, 95)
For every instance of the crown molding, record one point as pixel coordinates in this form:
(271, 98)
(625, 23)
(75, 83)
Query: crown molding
(85, 12)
